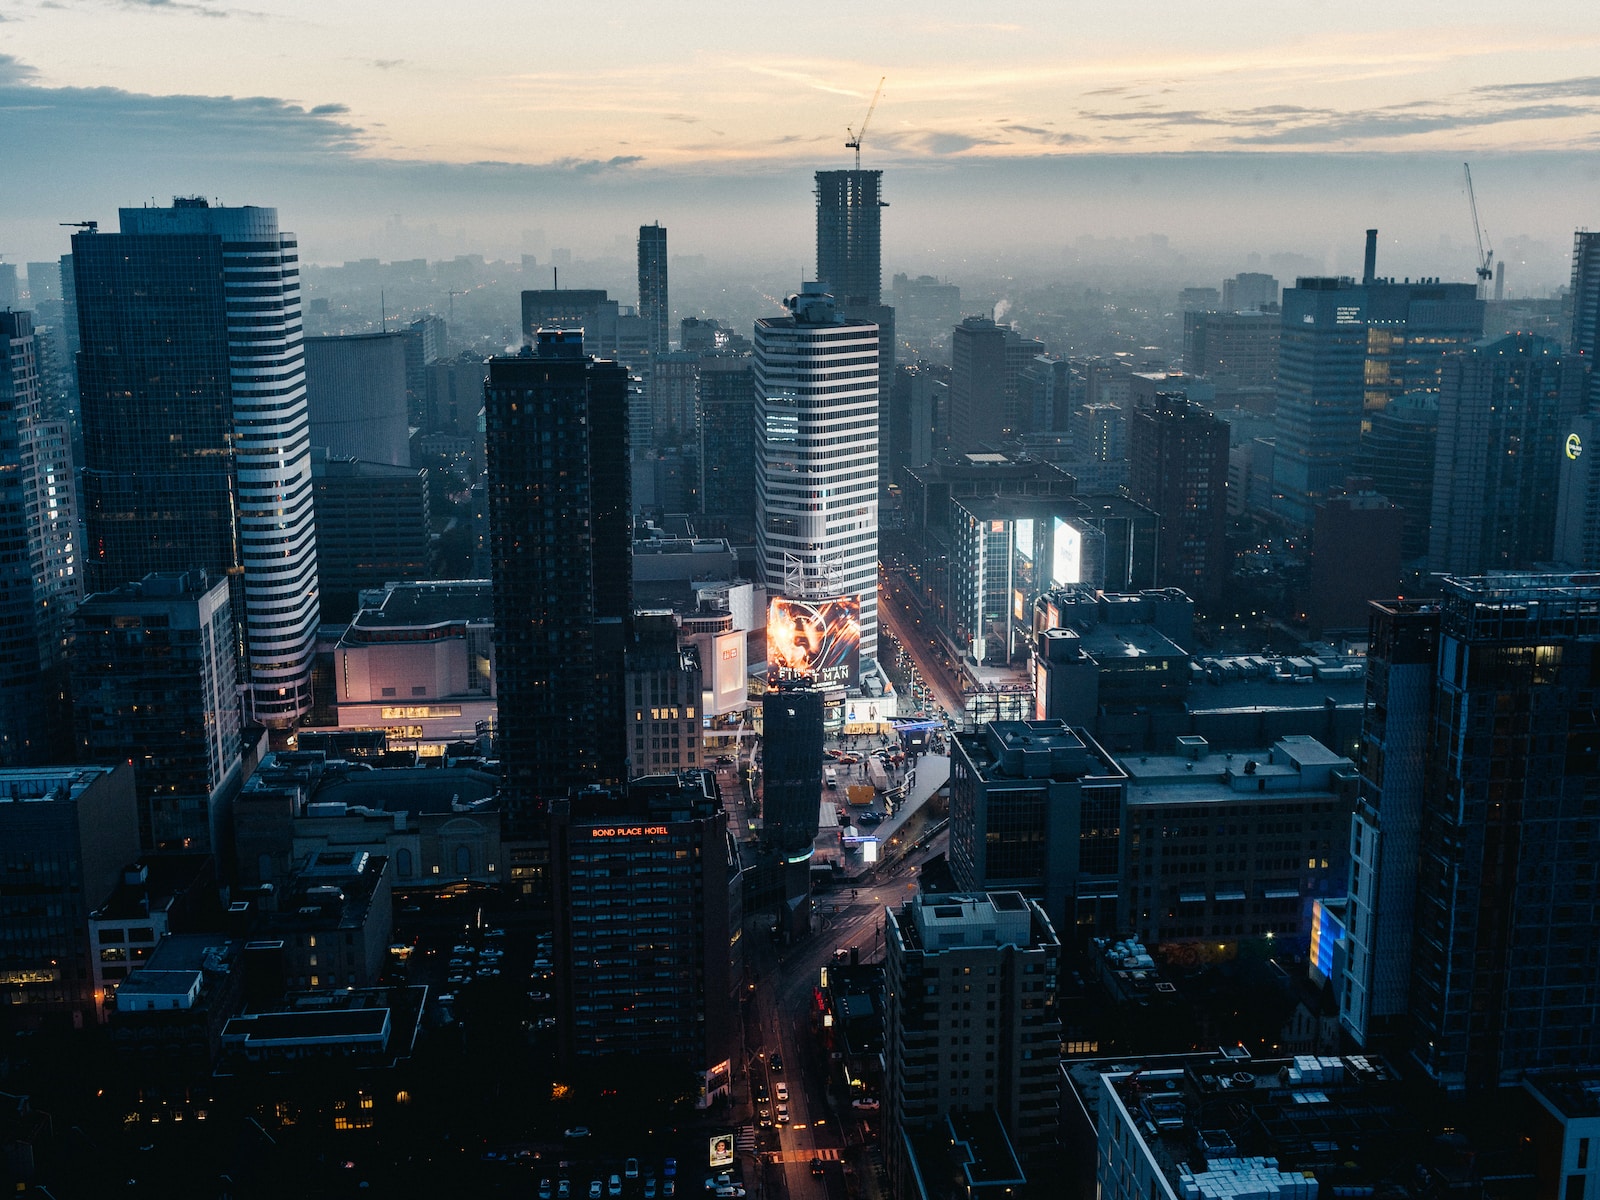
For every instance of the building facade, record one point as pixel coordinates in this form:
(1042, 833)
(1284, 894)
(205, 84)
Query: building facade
(356, 396)
(849, 236)
(816, 377)
(1179, 468)
(561, 541)
(155, 684)
(196, 439)
(727, 446)
(373, 528)
(40, 576)
(663, 685)
(654, 308)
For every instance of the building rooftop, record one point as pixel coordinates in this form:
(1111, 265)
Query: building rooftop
(1036, 750)
(982, 1149)
(1194, 774)
(28, 784)
(937, 923)
(1571, 1094)
(416, 790)
(414, 604)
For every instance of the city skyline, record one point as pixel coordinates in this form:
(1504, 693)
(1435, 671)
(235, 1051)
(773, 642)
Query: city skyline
(1204, 129)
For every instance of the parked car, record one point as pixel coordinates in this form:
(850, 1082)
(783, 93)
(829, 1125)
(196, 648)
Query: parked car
(546, 1190)
(614, 1186)
(650, 1188)
(630, 1169)
(564, 1190)
(669, 1168)
(578, 1131)
(597, 1190)
(866, 1104)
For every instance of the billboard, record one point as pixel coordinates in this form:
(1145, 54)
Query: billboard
(1066, 557)
(721, 1150)
(820, 639)
(727, 677)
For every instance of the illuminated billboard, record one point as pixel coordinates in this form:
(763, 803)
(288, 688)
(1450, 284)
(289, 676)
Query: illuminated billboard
(727, 679)
(1066, 555)
(819, 639)
(721, 1150)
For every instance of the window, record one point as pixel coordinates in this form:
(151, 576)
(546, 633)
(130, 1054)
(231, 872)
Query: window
(402, 861)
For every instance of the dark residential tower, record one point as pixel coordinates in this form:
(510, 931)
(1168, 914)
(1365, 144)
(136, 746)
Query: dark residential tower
(560, 544)
(653, 303)
(1179, 467)
(849, 236)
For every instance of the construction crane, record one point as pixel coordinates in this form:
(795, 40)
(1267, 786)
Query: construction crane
(1485, 257)
(91, 226)
(855, 138)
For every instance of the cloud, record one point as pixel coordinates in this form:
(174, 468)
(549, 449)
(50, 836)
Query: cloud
(388, 64)
(1384, 123)
(330, 110)
(13, 70)
(204, 10)
(1553, 89)
(594, 166)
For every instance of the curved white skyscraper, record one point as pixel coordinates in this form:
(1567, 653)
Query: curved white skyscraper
(197, 441)
(817, 456)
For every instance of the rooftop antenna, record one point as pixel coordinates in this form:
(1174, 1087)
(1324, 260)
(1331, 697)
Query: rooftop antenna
(855, 138)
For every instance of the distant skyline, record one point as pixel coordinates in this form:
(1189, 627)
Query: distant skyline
(343, 115)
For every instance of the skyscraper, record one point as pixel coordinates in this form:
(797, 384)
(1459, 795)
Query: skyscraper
(1584, 296)
(1504, 413)
(817, 456)
(356, 396)
(1502, 980)
(1179, 467)
(986, 364)
(561, 544)
(653, 304)
(849, 236)
(727, 436)
(40, 582)
(196, 442)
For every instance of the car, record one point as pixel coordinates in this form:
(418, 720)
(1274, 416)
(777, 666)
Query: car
(539, 997)
(614, 1186)
(446, 997)
(495, 933)
(729, 1191)
(596, 1189)
(866, 1104)
(725, 760)
(869, 818)
(547, 1022)
(782, 1091)
(650, 1188)
(462, 949)
(761, 1091)
(670, 1169)
(775, 1062)
(783, 1114)
(630, 1169)
(578, 1131)
(546, 1191)
(564, 1190)
(669, 1189)
(817, 1168)
(764, 1118)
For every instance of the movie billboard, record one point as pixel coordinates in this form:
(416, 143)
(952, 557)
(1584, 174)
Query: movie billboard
(820, 639)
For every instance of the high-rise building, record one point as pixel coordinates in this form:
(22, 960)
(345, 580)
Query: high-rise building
(664, 691)
(1501, 981)
(849, 236)
(155, 684)
(1179, 467)
(425, 345)
(356, 397)
(997, 951)
(1505, 413)
(561, 541)
(792, 767)
(1237, 352)
(10, 292)
(727, 454)
(1249, 291)
(647, 971)
(1584, 297)
(1397, 455)
(673, 382)
(654, 308)
(1402, 669)
(373, 528)
(196, 442)
(40, 579)
(67, 832)
(816, 376)
(987, 361)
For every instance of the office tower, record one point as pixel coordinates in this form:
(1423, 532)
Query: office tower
(997, 952)
(1402, 668)
(455, 396)
(1037, 805)
(1355, 555)
(1502, 982)
(1505, 412)
(196, 451)
(1321, 353)
(67, 833)
(44, 284)
(986, 362)
(155, 684)
(1397, 454)
(816, 376)
(727, 451)
(849, 236)
(1584, 297)
(373, 528)
(926, 299)
(647, 971)
(587, 310)
(654, 308)
(792, 735)
(673, 391)
(1413, 330)
(356, 397)
(916, 401)
(10, 292)
(40, 580)
(425, 345)
(663, 685)
(1577, 531)
(1198, 299)
(1179, 467)
(1249, 291)
(560, 545)
(1237, 352)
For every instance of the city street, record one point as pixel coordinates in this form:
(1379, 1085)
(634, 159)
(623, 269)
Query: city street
(897, 611)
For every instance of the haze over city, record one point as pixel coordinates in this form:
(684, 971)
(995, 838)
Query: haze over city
(1008, 136)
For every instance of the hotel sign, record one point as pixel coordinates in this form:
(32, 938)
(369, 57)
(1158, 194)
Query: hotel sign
(613, 831)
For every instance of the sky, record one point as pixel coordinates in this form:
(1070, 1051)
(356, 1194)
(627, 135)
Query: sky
(400, 129)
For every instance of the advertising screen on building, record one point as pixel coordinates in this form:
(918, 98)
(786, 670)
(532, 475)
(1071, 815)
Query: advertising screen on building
(721, 1150)
(816, 638)
(728, 677)
(1066, 558)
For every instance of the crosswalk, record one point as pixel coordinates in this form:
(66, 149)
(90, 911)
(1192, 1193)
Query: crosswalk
(825, 1153)
(745, 1138)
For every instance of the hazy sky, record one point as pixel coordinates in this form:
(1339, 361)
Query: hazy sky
(494, 117)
